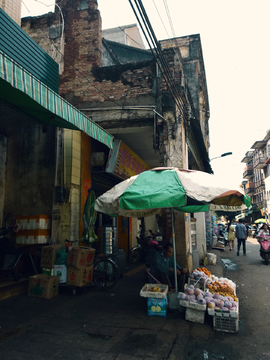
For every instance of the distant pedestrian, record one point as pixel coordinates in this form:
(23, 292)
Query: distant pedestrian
(241, 234)
(231, 236)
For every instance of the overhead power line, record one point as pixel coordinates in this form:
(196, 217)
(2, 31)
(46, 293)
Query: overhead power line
(156, 49)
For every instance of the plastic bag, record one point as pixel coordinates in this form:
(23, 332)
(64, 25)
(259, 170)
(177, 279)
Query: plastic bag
(61, 256)
(212, 258)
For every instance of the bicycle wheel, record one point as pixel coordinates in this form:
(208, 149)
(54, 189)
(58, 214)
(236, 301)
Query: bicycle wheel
(135, 255)
(105, 274)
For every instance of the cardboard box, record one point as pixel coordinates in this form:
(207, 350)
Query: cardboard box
(79, 276)
(44, 286)
(80, 256)
(157, 306)
(61, 271)
(48, 255)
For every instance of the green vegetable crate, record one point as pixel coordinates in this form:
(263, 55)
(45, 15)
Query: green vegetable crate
(43, 286)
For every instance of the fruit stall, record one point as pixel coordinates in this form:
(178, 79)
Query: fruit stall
(204, 294)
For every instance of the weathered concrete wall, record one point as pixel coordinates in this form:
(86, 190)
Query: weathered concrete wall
(194, 72)
(46, 31)
(67, 215)
(30, 172)
(13, 9)
(200, 234)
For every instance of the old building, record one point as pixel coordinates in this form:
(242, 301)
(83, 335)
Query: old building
(256, 174)
(158, 110)
(39, 133)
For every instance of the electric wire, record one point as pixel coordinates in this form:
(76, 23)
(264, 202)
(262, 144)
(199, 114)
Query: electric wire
(136, 42)
(169, 17)
(159, 54)
(25, 6)
(163, 60)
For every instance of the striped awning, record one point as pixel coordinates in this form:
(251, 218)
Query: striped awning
(24, 91)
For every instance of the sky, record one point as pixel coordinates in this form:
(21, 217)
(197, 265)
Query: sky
(235, 43)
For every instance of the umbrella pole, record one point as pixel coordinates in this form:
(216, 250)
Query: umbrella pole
(174, 253)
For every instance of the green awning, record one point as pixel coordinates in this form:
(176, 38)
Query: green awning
(23, 90)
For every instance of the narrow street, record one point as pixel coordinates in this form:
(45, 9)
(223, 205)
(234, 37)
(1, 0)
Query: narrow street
(253, 286)
(114, 325)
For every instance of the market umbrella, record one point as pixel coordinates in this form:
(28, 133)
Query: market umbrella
(260, 221)
(184, 190)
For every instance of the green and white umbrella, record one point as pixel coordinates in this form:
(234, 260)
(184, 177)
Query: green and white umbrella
(183, 190)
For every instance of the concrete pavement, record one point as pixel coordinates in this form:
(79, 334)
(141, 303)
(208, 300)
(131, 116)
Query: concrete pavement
(111, 325)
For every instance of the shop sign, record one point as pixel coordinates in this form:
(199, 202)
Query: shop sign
(123, 162)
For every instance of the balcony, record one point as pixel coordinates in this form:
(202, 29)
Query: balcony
(250, 187)
(259, 144)
(260, 184)
(259, 163)
(248, 156)
(260, 204)
(248, 172)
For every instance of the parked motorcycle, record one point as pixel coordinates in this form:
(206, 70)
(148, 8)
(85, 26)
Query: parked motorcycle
(223, 236)
(264, 242)
(145, 249)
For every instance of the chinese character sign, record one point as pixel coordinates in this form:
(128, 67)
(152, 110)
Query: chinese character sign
(123, 162)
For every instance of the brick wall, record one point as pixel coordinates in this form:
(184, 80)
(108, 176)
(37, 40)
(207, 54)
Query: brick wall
(82, 81)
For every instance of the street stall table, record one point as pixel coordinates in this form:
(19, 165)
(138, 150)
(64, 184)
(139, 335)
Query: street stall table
(214, 296)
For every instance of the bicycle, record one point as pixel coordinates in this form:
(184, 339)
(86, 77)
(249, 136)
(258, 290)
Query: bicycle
(105, 270)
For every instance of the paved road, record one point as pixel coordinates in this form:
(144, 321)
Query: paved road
(253, 290)
(115, 326)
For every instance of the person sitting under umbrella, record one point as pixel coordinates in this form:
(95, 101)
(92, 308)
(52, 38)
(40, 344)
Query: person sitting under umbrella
(162, 267)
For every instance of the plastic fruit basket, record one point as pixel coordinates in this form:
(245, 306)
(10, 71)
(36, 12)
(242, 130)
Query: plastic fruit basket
(226, 324)
(233, 314)
(145, 291)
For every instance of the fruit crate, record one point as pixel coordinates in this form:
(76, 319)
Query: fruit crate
(146, 292)
(195, 315)
(192, 305)
(226, 324)
(221, 313)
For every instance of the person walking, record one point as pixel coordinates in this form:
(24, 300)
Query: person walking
(231, 236)
(241, 235)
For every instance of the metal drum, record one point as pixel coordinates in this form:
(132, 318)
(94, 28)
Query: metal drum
(109, 240)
